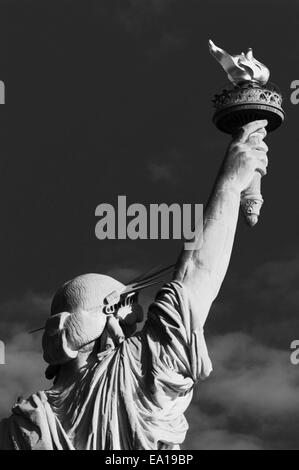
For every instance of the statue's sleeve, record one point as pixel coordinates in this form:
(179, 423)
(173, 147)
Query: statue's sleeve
(177, 347)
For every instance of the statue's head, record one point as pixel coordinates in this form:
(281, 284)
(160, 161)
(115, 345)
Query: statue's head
(86, 292)
(88, 310)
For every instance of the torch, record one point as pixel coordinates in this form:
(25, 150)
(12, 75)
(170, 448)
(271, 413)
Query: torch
(248, 97)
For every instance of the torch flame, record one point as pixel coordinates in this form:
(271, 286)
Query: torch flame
(241, 68)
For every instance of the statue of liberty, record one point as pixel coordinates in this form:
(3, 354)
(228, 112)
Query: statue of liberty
(116, 389)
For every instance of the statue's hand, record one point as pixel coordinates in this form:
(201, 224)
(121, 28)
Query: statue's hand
(246, 154)
(121, 326)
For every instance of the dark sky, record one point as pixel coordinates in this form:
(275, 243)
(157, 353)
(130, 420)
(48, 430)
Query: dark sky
(108, 98)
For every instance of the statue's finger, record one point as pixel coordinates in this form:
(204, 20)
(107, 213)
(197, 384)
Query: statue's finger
(262, 163)
(252, 127)
(260, 134)
(256, 141)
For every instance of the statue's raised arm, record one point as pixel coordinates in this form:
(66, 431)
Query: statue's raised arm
(116, 390)
(202, 269)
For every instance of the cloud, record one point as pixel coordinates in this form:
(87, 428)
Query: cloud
(160, 172)
(124, 274)
(218, 439)
(16, 315)
(253, 376)
(265, 304)
(167, 43)
(165, 167)
(251, 400)
(136, 16)
(23, 372)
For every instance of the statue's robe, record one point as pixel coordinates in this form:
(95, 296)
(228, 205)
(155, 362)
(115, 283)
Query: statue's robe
(130, 397)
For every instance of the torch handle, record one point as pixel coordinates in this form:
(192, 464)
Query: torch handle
(252, 200)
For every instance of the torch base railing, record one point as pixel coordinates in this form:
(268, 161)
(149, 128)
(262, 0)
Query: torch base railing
(237, 106)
